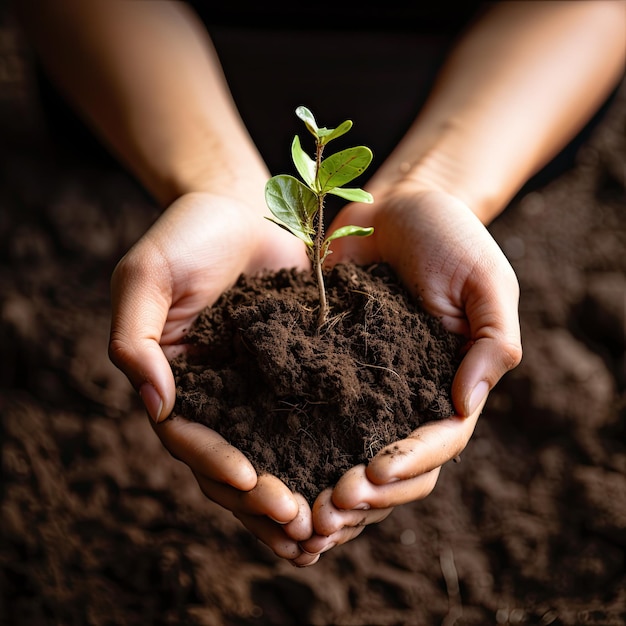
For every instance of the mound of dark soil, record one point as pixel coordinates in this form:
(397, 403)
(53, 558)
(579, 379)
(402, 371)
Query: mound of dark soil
(306, 406)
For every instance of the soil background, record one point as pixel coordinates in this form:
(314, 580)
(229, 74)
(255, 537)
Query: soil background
(99, 525)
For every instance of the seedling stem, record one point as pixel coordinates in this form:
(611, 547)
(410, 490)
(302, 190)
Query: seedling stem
(299, 206)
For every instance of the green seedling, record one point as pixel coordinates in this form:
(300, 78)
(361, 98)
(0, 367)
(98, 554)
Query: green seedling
(299, 206)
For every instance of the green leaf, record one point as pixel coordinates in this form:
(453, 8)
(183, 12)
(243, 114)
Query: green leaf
(324, 135)
(289, 230)
(303, 162)
(352, 194)
(307, 117)
(347, 231)
(342, 167)
(328, 134)
(293, 205)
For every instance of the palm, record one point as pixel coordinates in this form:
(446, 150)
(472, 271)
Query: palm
(198, 249)
(437, 247)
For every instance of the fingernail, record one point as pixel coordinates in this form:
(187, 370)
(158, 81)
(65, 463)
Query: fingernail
(152, 401)
(478, 395)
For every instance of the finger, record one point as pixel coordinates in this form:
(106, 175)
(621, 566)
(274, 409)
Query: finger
(304, 560)
(318, 544)
(206, 452)
(355, 491)
(328, 518)
(301, 527)
(485, 363)
(139, 312)
(334, 527)
(492, 310)
(270, 497)
(272, 535)
(424, 450)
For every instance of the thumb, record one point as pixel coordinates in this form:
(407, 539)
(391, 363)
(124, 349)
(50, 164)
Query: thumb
(139, 312)
(495, 349)
(482, 367)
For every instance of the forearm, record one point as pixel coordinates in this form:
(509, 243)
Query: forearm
(515, 90)
(145, 77)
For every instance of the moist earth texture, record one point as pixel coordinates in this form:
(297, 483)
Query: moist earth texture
(100, 526)
(306, 404)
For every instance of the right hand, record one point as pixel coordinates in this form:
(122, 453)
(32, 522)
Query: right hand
(197, 249)
(448, 259)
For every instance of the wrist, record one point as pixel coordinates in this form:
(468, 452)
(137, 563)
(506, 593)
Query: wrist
(238, 179)
(439, 170)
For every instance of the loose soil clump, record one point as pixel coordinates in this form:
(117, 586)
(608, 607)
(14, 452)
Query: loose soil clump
(307, 405)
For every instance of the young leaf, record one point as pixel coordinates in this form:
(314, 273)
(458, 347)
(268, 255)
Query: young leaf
(293, 205)
(298, 206)
(328, 134)
(342, 167)
(303, 162)
(352, 194)
(307, 117)
(324, 135)
(346, 231)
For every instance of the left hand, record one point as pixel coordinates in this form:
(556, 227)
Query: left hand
(160, 286)
(278, 517)
(448, 259)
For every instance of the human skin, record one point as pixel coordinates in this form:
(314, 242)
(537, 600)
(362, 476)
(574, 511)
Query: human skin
(515, 89)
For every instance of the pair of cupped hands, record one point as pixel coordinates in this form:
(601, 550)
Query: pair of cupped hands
(197, 249)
